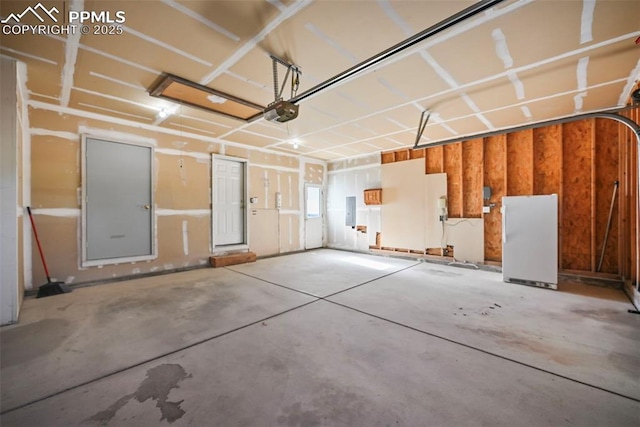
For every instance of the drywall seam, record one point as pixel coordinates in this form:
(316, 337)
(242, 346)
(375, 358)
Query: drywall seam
(190, 13)
(260, 135)
(631, 81)
(277, 4)
(586, 21)
(581, 73)
(185, 237)
(328, 40)
(488, 79)
(120, 82)
(124, 122)
(72, 44)
(278, 168)
(166, 46)
(57, 212)
(160, 120)
(289, 211)
(517, 84)
(58, 134)
(108, 55)
(265, 182)
(28, 55)
(185, 212)
(117, 135)
(115, 98)
(21, 68)
(253, 42)
(502, 48)
(556, 95)
(198, 119)
(174, 152)
(301, 200)
(110, 110)
(353, 168)
(249, 81)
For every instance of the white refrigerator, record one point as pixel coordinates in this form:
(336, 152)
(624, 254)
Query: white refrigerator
(530, 240)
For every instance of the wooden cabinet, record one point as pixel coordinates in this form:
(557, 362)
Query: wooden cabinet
(373, 196)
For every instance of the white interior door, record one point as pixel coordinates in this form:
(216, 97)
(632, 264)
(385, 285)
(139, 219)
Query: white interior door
(313, 217)
(117, 202)
(228, 201)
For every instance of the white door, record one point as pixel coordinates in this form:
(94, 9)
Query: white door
(118, 204)
(313, 218)
(228, 202)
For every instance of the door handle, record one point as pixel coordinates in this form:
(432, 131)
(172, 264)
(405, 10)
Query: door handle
(147, 207)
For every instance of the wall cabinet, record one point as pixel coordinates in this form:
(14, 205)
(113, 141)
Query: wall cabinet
(373, 196)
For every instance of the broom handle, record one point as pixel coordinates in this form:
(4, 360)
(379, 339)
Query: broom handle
(35, 233)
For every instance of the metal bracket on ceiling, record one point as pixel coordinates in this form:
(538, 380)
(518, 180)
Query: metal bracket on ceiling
(295, 78)
(421, 125)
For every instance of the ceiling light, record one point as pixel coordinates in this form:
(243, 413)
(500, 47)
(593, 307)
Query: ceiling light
(216, 99)
(295, 143)
(163, 113)
(185, 92)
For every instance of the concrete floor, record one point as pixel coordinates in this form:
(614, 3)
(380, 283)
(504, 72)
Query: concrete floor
(323, 338)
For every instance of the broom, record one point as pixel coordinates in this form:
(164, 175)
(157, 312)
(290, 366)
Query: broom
(50, 288)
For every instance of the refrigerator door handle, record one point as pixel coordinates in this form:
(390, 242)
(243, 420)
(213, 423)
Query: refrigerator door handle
(504, 223)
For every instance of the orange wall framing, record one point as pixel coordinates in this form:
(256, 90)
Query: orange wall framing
(580, 161)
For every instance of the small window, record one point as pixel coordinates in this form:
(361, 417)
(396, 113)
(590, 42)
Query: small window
(313, 202)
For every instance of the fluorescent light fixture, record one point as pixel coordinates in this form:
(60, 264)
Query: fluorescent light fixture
(186, 92)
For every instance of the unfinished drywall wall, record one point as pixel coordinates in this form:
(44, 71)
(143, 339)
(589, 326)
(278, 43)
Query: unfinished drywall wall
(579, 161)
(9, 193)
(182, 195)
(349, 178)
(403, 205)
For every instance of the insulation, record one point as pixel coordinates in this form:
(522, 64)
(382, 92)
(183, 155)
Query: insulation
(472, 180)
(577, 143)
(453, 166)
(435, 161)
(547, 160)
(494, 177)
(520, 163)
(607, 171)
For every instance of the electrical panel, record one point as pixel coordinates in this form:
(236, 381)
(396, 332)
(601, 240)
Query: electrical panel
(350, 218)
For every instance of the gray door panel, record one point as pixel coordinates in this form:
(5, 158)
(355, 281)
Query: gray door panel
(118, 200)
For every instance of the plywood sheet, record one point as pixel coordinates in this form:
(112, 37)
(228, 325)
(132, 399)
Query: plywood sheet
(472, 181)
(403, 208)
(435, 187)
(494, 177)
(577, 143)
(466, 235)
